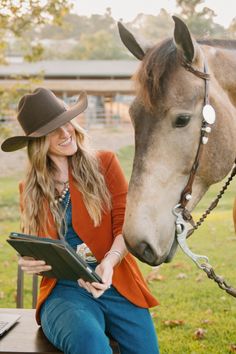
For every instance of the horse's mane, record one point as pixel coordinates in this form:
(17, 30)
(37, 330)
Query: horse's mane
(157, 65)
(221, 43)
(160, 62)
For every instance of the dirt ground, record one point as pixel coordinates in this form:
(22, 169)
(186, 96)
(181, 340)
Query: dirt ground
(111, 138)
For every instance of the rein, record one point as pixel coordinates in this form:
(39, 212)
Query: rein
(183, 216)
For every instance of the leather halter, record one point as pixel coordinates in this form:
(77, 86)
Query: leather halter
(183, 216)
(205, 130)
(186, 194)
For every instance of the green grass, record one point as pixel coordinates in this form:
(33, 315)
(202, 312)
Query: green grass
(184, 292)
(9, 221)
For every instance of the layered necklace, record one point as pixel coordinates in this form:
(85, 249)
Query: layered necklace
(61, 196)
(62, 199)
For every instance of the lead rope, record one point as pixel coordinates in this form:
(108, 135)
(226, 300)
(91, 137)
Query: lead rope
(183, 217)
(206, 267)
(215, 202)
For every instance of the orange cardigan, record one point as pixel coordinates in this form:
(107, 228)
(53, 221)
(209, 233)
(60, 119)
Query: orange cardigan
(127, 278)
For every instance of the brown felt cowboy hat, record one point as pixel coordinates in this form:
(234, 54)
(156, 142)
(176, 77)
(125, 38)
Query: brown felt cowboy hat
(41, 112)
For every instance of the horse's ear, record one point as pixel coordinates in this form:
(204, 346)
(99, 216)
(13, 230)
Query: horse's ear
(130, 42)
(183, 40)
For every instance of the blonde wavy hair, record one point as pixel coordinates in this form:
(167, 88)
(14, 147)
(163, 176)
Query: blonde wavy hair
(39, 185)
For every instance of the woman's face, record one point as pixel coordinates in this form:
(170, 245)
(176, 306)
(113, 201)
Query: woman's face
(62, 141)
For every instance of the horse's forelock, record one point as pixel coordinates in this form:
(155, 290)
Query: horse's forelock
(157, 66)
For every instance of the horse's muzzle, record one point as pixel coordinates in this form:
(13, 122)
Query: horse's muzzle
(145, 253)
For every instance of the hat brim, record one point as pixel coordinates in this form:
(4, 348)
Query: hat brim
(18, 142)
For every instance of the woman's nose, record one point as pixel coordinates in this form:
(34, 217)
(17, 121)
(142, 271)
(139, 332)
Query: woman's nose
(64, 131)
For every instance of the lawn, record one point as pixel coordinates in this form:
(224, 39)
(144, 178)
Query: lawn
(194, 315)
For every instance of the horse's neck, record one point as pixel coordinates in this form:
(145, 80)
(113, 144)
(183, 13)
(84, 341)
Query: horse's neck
(223, 65)
(222, 86)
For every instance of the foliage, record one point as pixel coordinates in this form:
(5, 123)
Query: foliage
(232, 28)
(200, 22)
(152, 28)
(9, 99)
(31, 28)
(19, 16)
(96, 36)
(100, 45)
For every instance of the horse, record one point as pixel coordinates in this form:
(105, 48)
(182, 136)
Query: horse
(176, 78)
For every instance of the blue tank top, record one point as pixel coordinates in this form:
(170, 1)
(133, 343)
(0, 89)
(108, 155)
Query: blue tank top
(71, 236)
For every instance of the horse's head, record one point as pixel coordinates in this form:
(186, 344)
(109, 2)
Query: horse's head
(167, 117)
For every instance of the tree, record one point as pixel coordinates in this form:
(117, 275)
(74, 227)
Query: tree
(201, 22)
(73, 25)
(17, 17)
(100, 45)
(85, 38)
(232, 28)
(153, 28)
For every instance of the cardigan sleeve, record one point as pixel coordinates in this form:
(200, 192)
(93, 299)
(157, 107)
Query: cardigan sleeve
(118, 187)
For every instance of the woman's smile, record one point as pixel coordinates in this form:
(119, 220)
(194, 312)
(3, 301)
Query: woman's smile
(66, 142)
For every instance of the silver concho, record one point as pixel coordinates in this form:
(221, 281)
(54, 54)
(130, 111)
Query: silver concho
(209, 114)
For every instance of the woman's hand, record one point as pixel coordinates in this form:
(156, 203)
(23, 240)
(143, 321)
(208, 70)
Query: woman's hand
(105, 271)
(33, 266)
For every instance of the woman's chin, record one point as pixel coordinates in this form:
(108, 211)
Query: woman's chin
(69, 150)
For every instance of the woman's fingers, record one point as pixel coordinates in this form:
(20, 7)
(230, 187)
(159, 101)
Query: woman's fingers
(33, 266)
(100, 286)
(33, 270)
(105, 270)
(31, 263)
(96, 289)
(83, 284)
(95, 292)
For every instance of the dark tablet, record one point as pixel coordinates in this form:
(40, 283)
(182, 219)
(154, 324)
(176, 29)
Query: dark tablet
(65, 262)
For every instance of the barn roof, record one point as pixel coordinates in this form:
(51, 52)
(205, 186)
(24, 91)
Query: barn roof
(72, 68)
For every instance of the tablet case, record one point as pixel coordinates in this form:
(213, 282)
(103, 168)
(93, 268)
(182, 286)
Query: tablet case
(65, 262)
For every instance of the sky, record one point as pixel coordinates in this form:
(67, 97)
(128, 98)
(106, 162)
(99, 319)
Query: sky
(128, 9)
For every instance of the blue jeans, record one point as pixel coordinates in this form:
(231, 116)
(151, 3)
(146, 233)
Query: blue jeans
(77, 323)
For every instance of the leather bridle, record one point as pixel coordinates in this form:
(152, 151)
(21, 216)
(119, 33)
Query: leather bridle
(183, 216)
(205, 130)
(207, 121)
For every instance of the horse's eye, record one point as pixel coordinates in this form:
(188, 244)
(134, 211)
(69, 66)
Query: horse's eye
(181, 121)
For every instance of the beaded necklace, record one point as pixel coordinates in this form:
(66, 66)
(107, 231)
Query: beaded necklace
(62, 195)
(67, 202)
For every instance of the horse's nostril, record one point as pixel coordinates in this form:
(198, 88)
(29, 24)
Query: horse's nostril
(145, 253)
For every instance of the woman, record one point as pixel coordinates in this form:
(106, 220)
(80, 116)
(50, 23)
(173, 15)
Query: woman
(70, 192)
